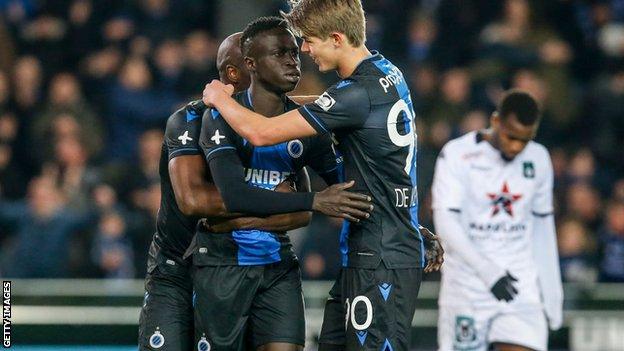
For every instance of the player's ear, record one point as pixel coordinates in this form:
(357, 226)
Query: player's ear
(232, 73)
(337, 39)
(250, 63)
(494, 120)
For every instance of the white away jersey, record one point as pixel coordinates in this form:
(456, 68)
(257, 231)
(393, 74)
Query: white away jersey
(497, 201)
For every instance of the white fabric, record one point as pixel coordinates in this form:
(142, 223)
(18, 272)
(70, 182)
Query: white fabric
(493, 231)
(467, 328)
(549, 274)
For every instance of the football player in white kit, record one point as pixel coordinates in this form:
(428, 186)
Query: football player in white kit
(493, 211)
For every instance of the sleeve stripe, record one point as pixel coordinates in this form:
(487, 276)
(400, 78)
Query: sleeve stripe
(316, 119)
(185, 151)
(220, 148)
(537, 214)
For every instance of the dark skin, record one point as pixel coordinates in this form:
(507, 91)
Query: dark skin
(195, 194)
(510, 347)
(508, 135)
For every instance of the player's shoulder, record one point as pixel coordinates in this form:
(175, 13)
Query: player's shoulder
(538, 152)
(189, 114)
(460, 147)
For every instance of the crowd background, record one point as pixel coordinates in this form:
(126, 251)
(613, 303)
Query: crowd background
(86, 87)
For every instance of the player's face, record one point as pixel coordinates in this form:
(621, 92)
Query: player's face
(511, 135)
(277, 60)
(321, 51)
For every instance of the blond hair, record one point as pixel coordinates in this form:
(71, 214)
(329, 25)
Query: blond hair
(319, 18)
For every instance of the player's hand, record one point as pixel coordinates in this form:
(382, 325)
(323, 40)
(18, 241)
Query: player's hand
(214, 91)
(287, 186)
(503, 289)
(434, 253)
(335, 201)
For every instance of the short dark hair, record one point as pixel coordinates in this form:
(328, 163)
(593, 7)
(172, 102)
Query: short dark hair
(258, 26)
(520, 104)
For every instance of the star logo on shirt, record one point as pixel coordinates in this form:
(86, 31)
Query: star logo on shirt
(503, 200)
(217, 137)
(184, 138)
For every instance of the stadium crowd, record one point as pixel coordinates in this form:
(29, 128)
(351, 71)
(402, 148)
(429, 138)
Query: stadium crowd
(86, 87)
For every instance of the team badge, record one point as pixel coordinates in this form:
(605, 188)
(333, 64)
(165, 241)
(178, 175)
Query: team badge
(503, 200)
(325, 101)
(203, 344)
(295, 148)
(465, 330)
(528, 169)
(157, 340)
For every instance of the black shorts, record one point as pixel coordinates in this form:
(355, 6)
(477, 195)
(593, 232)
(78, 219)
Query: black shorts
(370, 309)
(166, 321)
(244, 307)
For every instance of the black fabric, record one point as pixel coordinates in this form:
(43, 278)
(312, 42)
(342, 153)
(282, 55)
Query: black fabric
(392, 296)
(244, 307)
(174, 230)
(372, 117)
(227, 174)
(167, 308)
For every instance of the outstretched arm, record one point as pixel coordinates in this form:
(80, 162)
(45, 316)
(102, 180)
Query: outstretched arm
(274, 223)
(260, 130)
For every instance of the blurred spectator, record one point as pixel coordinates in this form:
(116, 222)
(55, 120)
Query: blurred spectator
(169, 65)
(583, 202)
(575, 253)
(12, 181)
(320, 252)
(612, 244)
(135, 107)
(112, 251)
(43, 227)
(454, 100)
(65, 105)
(201, 54)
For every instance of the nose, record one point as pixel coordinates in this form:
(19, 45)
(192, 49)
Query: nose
(305, 47)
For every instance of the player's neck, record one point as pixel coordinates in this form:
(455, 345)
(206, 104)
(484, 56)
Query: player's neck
(350, 59)
(266, 102)
(488, 136)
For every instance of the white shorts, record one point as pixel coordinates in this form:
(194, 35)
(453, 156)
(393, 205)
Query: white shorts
(468, 329)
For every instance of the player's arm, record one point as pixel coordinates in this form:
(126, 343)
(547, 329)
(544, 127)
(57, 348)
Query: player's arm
(324, 159)
(337, 108)
(194, 195)
(303, 99)
(448, 194)
(545, 248)
(274, 223)
(228, 175)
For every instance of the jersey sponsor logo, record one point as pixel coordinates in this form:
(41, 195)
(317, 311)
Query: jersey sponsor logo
(265, 176)
(295, 148)
(203, 344)
(184, 138)
(157, 340)
(325, 101)
(503, 227)
(528, 170)
(503, 200)
(394, 77)
(216, 138)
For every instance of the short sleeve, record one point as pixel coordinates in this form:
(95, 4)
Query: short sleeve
(216, 135)
(345, 105)
(543, 201)
(447, 189)
(182, 133)
(322, 157)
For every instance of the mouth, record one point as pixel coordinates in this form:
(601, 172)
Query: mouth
(293, 76)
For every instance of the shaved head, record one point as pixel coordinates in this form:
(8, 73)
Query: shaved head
(230, 63)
